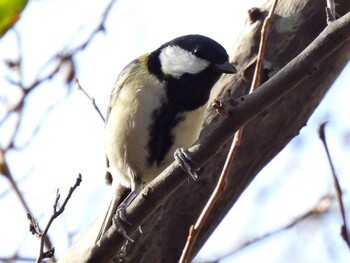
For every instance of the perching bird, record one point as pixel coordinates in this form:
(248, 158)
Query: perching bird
(157, 107)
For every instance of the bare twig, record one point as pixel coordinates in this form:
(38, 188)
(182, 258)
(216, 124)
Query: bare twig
(321, 207)
(330, 11)
(34, 226)
(39, 125)
(62, 59)
(221, 184)
(91, 99)
(344, 229)
(100, 27)
(56, 212)
(264, 32)
(16, 258)
(5, 170)
(26, 90)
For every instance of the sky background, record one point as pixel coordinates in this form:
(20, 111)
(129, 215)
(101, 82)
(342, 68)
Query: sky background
(70, 139)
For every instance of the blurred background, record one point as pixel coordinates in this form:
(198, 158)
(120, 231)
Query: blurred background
(56, 133)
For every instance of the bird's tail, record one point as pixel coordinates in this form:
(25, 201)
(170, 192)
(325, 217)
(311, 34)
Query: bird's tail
(118, 196)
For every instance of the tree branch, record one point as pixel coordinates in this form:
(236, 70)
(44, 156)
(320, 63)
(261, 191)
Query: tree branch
(339, 193)
(320, 209)
(220, 186)
(333, 39)
(35, 229)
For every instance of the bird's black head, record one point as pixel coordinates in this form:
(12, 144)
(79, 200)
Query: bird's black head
(190, 65)
(190, 54)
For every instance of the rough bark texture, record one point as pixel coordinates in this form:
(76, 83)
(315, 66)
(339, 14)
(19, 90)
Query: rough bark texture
(295, 25)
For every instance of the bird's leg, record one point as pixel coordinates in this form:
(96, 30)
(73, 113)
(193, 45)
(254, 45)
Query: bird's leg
(183, 158)
(119, 218)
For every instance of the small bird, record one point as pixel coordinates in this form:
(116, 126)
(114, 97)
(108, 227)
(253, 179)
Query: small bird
(156, 110)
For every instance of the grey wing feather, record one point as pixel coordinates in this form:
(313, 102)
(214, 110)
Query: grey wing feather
(119, 84)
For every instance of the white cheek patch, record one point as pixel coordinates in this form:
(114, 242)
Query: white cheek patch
(176, 61)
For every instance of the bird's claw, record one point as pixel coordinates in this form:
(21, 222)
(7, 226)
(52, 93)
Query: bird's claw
(121, 213)
(119, 220)
(182, 157)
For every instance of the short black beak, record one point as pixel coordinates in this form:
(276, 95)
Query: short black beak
(226, 67)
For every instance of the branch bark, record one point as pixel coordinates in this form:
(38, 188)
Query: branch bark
(276, 112)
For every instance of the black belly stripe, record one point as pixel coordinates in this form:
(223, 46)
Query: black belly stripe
(161, 138)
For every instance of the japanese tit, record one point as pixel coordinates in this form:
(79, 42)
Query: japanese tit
(156, 107)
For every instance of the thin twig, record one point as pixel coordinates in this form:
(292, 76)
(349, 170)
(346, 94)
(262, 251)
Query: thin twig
(26, 90)
(344, 229)
(60, 58)
(330, 11)
(44, 74)
(17, 258)
(5, 170)
(39, 125)
(34, 226)
(50, 252)
(100, 27)
(320, 208)
(221, 184)
(91, 99)
(264, 32)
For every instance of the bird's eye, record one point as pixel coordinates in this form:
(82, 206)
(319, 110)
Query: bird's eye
(196, 52)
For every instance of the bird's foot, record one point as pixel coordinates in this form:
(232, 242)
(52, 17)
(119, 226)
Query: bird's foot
(183, 158)
(119, 221)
